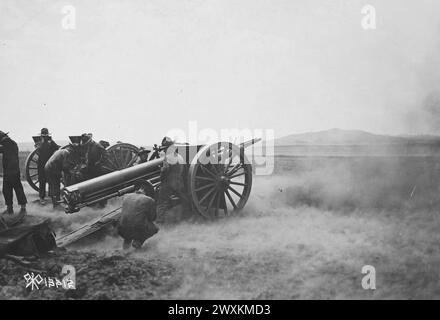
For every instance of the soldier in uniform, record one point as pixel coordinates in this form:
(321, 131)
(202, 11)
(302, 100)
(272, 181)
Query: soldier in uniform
(11, 174)
(137, 218)
(172, 182)
(62, 161)
(142, 156)
(94, 156)
(46, 148)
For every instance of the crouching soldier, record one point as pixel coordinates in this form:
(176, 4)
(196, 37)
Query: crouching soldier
(11, 174)
(172, 183)
(61, 162)
(138, 214)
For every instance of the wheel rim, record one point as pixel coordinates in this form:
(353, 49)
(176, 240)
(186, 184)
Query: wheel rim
(32, 170)
(220, 180)
(120, 156)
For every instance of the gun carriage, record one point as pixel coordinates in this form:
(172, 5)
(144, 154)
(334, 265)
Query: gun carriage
(218, 179)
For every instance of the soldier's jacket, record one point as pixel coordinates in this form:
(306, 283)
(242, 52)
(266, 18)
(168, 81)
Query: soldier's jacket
(60, 161)
(9, 149)
(172, 170)
(94, 153)
(46, 150)
(138, 214)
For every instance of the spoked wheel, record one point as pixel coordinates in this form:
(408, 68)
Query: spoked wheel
(220, 180)
(120, 156)
(32, 169)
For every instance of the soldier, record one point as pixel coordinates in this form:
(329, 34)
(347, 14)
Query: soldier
(137, 217)
(142, 156)
(11, 174)
(94, 156)
(46, 148)
(172, 183)
(62, 161)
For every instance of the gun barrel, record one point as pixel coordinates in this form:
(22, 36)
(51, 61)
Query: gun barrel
(109, 185)
(248, 143)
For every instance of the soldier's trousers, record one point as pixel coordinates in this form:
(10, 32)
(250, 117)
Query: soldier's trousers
(42, 182)
(164, 201)
(54, 179)
(11, 184)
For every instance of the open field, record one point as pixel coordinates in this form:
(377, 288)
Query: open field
(305, 234)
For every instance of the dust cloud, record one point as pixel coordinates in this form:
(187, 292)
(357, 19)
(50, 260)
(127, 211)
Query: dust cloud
(305, 233)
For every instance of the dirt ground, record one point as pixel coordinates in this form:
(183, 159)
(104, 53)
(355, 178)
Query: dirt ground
(305, 233)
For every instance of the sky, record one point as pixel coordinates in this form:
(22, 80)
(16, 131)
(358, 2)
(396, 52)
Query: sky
(133, 70)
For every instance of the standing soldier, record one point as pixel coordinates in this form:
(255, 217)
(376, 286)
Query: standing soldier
(62, 161)
(46, 149)
(94, 156)
(11, 174)
(171, 175)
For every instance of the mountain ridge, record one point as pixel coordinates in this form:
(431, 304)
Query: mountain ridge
(338, 136)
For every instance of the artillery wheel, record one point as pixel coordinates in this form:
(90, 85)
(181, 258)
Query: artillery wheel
(31, 168)
(120, 156)
(219, 180)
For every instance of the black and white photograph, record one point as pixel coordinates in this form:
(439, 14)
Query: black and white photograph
(232, 151)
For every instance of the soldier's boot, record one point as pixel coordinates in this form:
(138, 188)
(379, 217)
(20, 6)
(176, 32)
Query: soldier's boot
(55, 202)
(137, 244)
(126, 245)
(9, 210)
(23, 209)
(42, 201)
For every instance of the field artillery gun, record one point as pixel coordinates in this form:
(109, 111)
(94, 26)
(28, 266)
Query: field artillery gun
(118, 156)
(218, 179)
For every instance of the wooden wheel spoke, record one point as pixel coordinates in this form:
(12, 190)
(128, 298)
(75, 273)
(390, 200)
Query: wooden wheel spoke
(217, 205)
(234, 169)
(234, 191)
(212, 200)
(239, 183)
(237, 175)
(204, 178)
(230, 199)
(132, 161)
(206, 170)
(204, 187)
(128, 157)
(119, 157)
(225, 207)
(116, 162)
(114, 165)
(207, 195)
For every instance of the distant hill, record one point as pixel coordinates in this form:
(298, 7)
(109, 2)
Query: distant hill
(350, 137)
